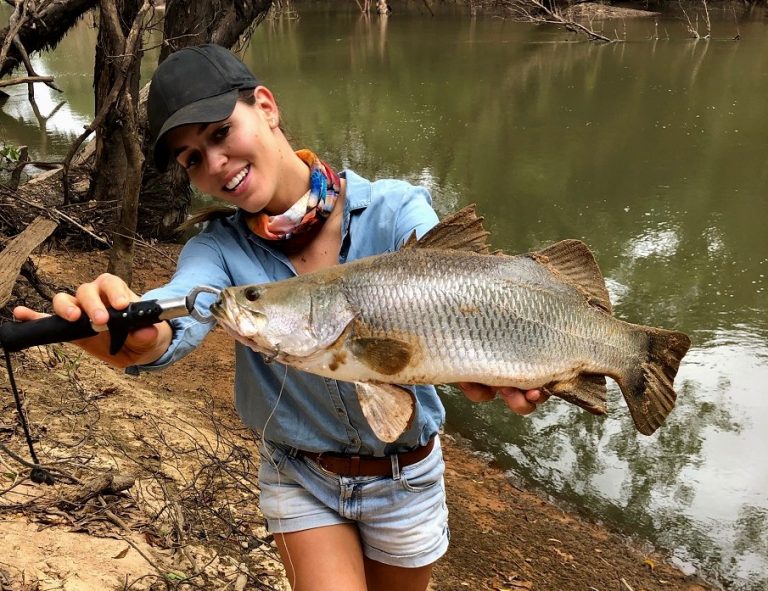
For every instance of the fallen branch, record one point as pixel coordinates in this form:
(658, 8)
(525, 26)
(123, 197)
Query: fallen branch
(101, 484)
(16, 457)
(534, 11)
(30, 70)
(58, 215)
(16, 253)
(25, 80)
(15, 22)
(43, 28)
(693, 28)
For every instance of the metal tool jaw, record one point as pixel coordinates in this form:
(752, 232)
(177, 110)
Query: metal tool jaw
(185, 305)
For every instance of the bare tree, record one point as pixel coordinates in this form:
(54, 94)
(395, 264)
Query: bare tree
(40, 25)
(536, 11)
(693, 25)
(118, 150)
(12, 50)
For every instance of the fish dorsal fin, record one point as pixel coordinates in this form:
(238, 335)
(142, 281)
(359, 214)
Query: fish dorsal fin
(573, 261)
(462, 230)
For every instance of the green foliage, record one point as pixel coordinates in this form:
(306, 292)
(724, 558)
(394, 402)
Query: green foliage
(175, 576)
(11, 154)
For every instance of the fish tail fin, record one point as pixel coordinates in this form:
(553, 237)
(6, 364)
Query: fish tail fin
(648, 388)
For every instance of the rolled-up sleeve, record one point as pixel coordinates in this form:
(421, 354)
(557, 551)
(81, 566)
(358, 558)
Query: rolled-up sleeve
(200, 263)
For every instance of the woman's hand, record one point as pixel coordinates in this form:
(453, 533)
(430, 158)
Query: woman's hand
(142, 346)
(522, 402)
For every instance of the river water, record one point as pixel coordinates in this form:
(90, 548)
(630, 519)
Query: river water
(653, 151)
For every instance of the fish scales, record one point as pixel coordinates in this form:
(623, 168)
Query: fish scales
(406, 293)
(443, 309)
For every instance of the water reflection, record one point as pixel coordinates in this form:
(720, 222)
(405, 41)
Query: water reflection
(694, 487)
(653, 152)
(50, 124)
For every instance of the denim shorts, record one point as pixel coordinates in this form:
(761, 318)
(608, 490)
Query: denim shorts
(402, 518)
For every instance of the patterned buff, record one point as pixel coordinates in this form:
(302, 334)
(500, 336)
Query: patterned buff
(314, 207)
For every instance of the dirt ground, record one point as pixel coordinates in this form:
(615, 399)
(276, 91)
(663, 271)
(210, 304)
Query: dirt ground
(189, 516)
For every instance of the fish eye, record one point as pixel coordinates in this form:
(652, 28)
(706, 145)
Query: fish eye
(252, 294)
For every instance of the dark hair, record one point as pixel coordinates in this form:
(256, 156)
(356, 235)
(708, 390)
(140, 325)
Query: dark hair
(207, 214)
(246, 96)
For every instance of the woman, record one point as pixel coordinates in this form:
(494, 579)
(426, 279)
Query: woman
(348, 512)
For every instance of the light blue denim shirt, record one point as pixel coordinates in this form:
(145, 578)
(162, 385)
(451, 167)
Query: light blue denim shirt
(286, 405)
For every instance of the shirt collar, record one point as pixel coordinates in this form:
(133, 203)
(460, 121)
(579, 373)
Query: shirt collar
(358, 192)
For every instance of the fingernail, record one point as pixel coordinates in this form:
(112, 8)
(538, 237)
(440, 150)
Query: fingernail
(121, 301)
(70, 312)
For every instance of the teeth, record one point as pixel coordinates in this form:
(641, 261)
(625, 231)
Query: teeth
(237, 179)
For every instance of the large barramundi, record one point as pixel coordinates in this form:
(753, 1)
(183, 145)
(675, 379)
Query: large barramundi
(443, 309)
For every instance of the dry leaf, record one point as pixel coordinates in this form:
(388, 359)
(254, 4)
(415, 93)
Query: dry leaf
(122, 554)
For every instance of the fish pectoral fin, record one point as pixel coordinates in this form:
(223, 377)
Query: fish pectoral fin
(588, 391)
(387, 407)
(462, 230)
(386, 356)
(573, 261)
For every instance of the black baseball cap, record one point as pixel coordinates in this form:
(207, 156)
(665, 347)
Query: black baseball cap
(198, 84)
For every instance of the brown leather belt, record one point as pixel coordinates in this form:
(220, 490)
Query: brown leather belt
(353, 465)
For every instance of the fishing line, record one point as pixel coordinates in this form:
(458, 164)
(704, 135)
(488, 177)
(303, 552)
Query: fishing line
(274, 465)
(39, 474)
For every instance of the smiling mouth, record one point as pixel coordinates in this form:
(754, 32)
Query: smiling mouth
(237, 179)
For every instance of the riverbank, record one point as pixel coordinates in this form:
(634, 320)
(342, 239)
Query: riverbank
(191, 516)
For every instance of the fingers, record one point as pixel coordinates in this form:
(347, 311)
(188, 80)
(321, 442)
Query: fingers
(22, 314)
(522, 402)
(142, 340)
(537, 396)
(519, 401)
(477, 392)
(141, 346)
(93, 298)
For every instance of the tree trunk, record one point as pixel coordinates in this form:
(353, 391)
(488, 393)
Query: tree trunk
(45, 31)
(118, 159)
(110, 161)
(121, 255)
(209, 21)
(166, 198)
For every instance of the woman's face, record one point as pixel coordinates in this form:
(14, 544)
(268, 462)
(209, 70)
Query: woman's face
(240, 159)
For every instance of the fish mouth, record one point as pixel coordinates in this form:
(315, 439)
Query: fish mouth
(243, 324)
(217, 309)
(230, 315)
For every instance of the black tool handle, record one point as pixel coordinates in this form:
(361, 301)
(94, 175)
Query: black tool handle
(15, 336)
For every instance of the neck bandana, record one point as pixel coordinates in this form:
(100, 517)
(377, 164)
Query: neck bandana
(314, 206)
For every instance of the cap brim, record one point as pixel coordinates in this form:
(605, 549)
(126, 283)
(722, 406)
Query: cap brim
(207, 110)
